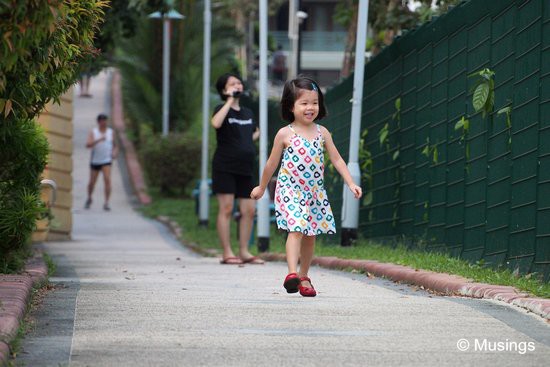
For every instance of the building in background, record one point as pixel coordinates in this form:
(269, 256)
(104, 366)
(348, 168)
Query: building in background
(322, 40)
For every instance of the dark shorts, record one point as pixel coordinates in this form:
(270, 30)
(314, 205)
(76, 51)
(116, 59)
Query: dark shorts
(98, 167)
(232, 183)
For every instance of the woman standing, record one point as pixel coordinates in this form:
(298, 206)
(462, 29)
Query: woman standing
(232, 167)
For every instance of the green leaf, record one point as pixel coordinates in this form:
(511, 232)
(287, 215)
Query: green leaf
(491, 100)
(459, 124)
(398, 104)
(508, 111)
(383, 134)
(395, 155)
(481, 94)
(426, 151)
(504, 110)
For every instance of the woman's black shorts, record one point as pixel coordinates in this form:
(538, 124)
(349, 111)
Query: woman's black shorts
(231, 183)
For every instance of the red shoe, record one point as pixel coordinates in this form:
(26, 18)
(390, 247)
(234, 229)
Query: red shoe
(306, 291)
(291, 283)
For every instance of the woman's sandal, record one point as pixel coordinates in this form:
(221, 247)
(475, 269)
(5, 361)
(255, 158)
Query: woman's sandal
(253, 260)
(232, 260)
(306, 291)
(291, 283)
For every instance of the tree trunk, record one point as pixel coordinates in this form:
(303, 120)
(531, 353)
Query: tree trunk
(250, 57)
(349, 54)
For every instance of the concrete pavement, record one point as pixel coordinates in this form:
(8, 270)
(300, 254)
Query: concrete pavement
(127, 294)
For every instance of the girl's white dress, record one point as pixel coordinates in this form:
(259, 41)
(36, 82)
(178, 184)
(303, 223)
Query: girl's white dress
(301, 202)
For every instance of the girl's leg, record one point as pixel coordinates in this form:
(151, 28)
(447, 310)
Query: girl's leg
(306, 256)
(225, 210)
(293, 244)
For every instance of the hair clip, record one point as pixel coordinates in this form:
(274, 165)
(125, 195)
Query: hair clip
(314, 87)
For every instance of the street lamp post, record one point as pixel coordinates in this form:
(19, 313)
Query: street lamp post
(166, 17)
(263, 203)
(301, 16)
(295, 18)
(204, 189)
(350, 208)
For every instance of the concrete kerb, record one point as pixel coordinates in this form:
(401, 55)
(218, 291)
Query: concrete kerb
(15, 292)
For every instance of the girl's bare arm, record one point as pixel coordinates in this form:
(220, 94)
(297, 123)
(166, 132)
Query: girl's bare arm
(271, 164)
(339, 163)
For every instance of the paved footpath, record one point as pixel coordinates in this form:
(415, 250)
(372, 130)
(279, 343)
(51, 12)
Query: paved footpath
(127, 294)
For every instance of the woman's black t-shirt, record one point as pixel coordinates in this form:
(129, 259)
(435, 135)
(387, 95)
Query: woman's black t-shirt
(235, 149)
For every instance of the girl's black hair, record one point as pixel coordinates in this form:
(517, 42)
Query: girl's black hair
(222, 81)
(291, 92)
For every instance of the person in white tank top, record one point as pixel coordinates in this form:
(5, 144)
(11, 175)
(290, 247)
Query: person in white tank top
(104, 150)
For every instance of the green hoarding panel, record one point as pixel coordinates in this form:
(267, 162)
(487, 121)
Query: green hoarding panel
(484, 194)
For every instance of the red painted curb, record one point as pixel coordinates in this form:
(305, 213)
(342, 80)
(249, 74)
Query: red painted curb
(132, 162)
(15, 291)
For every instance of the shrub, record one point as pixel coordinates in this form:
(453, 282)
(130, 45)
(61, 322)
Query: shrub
(24, 150)
(41, 47)
(170, 163)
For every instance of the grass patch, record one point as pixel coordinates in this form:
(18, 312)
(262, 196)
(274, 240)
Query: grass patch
(183, 212)
(17, 342)
(52, 267)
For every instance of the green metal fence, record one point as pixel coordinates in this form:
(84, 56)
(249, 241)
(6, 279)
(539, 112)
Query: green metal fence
(484, 195)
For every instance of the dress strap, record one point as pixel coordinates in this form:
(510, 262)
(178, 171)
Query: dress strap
(319, 132)
(292, 129)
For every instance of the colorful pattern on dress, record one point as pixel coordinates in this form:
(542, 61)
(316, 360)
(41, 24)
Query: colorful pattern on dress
(301, 202)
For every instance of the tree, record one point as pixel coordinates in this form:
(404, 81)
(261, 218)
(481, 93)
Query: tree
(41, 46)
(244, 13)
(140, 65)
(120, 22)
(387, 18)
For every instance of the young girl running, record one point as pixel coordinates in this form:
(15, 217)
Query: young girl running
(301, 202)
